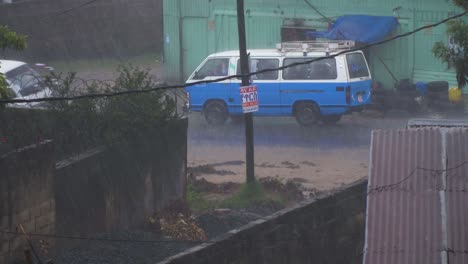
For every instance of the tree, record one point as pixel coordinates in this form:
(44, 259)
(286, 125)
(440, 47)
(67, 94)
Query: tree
(454, 52)
(9, 40)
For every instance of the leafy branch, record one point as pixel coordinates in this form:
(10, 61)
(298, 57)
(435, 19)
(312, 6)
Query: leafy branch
(453, 53)
(9, 40)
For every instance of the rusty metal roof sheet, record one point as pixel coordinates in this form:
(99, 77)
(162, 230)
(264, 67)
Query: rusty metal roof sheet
(416, 210)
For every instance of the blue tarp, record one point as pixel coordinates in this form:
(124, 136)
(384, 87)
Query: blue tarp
(360, 28)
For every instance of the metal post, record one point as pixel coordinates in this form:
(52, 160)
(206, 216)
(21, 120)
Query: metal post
(244, 64)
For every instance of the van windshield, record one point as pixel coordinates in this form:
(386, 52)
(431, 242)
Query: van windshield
(213, 68)
(357, 66)
(318, 70)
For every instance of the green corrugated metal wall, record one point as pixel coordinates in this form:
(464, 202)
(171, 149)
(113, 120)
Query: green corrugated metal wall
(210, 26)
(171, 39)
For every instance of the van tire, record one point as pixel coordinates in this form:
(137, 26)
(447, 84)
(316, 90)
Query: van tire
(215, 113)
(331, 119)
(307, 113)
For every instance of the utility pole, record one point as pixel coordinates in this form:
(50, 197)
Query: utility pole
(244, 64)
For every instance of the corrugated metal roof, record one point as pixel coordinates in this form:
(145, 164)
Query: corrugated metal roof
(457, 196)
(416, 206)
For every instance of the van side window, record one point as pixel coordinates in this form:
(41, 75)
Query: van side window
(262, 64)
(213, 67)
(318, 70)
(357, 66)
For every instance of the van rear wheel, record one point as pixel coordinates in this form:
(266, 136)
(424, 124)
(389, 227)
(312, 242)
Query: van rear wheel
(307, 113)
(331, 120)
(215, 113)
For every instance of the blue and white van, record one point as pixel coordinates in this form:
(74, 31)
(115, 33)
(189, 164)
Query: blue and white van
(320, 91)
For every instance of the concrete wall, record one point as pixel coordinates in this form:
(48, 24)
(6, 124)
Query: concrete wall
(106, 28)
(118, 188)
(26, 196)
(100, 190)
(327, 230)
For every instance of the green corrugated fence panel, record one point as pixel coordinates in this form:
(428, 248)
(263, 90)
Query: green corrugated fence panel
(171, 40)
(226, 36)
(194, 42)
(430, 76)
(425, 40)
(395, 56)
(263, 32)
(195, 8)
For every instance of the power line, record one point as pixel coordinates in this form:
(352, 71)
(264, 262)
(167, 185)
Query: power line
(75, 7)
(393, 185)
(237, 76)
(46, 20)
(318, 11)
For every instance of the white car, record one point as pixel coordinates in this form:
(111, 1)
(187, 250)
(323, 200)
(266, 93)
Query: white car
(24, 81)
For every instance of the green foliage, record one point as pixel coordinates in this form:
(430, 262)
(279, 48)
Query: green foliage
(117, 120)
(5, 93)
(250, 194)
(131, 116)
(196, 200)
(9, 40)
(462, 3)
(456, 57)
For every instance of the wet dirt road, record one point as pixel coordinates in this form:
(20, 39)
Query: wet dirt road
(320, 157)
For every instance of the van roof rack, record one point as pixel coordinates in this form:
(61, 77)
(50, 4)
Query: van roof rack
(324, 46)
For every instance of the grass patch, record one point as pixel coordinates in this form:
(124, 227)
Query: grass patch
(250, 194)
(196, 200)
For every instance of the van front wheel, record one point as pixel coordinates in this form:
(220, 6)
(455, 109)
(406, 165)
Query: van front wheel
(215, 113)
(307, 114)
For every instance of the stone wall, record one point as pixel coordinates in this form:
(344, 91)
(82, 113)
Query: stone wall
(26, 196)
(328, 230)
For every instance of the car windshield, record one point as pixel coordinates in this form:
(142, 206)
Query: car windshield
(24, 80)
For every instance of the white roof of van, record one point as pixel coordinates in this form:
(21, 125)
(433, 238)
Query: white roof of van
(8, 65)
(268, 53)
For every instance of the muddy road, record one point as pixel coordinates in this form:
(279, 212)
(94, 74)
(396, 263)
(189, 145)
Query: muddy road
(321, 157)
